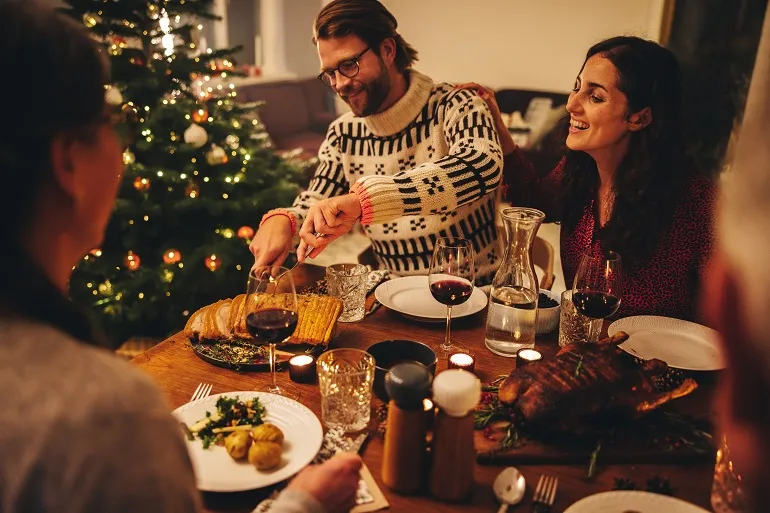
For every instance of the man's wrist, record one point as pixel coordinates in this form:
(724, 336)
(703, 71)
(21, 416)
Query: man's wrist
(365, 209)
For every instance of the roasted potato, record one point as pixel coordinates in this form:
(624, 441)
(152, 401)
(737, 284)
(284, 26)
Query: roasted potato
(267, 433)
(265, 455)
(237, 444)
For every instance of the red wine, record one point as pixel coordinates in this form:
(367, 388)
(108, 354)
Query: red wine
(271, 325)
(451, 292)
(597, 305)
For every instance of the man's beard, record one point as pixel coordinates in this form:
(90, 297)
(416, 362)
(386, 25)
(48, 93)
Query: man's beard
(375, 91)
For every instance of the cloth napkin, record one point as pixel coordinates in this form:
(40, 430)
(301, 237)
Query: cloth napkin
(368, 496)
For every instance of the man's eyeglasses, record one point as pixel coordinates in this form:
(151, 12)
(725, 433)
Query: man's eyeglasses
(348, 68)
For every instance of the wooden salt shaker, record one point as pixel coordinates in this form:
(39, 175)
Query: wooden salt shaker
(403, 458)
(456, 392)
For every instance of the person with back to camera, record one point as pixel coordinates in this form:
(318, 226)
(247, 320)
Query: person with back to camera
(82, 430)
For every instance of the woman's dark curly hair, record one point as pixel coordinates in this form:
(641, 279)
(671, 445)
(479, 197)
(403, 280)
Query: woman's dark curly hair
(651, 176)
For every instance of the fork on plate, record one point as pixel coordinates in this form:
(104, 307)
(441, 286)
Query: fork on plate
(545, 494)
(203, 390)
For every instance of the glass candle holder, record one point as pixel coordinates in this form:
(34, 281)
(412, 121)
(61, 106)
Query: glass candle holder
(302, 368)
(462, 361)
(526, 356)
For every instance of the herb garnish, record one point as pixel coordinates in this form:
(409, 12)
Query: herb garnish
(230, 411)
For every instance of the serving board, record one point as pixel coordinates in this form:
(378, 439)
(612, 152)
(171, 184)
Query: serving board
(663, 436)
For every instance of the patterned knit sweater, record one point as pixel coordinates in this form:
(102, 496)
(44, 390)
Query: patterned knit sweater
(427, 167)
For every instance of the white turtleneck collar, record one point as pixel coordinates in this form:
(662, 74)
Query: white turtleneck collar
(405, 110)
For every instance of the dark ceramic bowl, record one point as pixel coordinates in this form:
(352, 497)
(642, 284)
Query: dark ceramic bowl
(388, 353)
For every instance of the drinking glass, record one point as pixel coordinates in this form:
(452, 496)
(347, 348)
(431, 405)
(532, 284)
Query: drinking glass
(727, 495)
(574, 326)
(346, 377)
(452, 273)
(348, 283)
(271, 316)
(598, 287)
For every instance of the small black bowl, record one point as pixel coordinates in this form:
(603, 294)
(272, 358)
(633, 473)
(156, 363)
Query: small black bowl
(388, 353)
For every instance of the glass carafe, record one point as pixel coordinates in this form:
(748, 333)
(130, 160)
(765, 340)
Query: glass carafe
(512, 311)
(727, 495)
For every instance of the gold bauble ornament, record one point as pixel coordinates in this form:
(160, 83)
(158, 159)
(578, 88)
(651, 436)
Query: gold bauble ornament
(168, 275)
(245, 232)
(106, 288)
(200, 115)
(115, 49)
(193, 190)
(90, 20)
(172, 256)
(227, 233)
(216, 155)
(233, 141)
(212, 262)
(132, 261)
(141, 184)
(128, 157)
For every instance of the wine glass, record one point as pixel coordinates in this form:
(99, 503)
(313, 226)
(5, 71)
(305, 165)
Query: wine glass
(452, 271)
(598, 287)
(271, 316)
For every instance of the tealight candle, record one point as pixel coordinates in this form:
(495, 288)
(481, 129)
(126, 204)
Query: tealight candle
(527, 356)
(462, 361)
(302, 368)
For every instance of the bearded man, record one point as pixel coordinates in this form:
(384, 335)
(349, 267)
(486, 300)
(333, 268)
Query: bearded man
(413, 160)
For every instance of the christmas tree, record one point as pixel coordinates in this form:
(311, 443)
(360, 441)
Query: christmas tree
(199, 174)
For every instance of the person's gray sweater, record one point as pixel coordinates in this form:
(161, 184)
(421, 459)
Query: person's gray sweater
(82, 431)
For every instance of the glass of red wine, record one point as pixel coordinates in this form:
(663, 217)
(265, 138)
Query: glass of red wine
(271, 316)
(452, 272)
(598, 287)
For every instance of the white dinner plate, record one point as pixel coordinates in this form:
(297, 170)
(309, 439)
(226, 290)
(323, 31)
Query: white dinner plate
(216, 471)
(632, 501)
(681, 344)
(410, 296)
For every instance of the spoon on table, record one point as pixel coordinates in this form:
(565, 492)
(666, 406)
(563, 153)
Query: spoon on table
(509, 488)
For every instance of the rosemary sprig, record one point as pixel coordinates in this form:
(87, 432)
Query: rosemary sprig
(579, 366)
(483, 416)
(494, 385)
(511, 438)
(594, 457)
(680, 431)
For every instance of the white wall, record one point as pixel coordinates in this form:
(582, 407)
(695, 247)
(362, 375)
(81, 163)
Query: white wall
(301, 56)
(525, 44)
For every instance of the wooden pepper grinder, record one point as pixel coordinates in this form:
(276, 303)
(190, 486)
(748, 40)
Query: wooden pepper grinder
(403, 459)
(456, 392)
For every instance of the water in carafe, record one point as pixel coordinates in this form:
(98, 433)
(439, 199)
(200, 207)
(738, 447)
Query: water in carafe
(512, 310)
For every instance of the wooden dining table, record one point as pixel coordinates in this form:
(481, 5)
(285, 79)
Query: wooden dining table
(177, 370)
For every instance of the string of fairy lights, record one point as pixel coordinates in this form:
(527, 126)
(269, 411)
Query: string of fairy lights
(207, 87)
